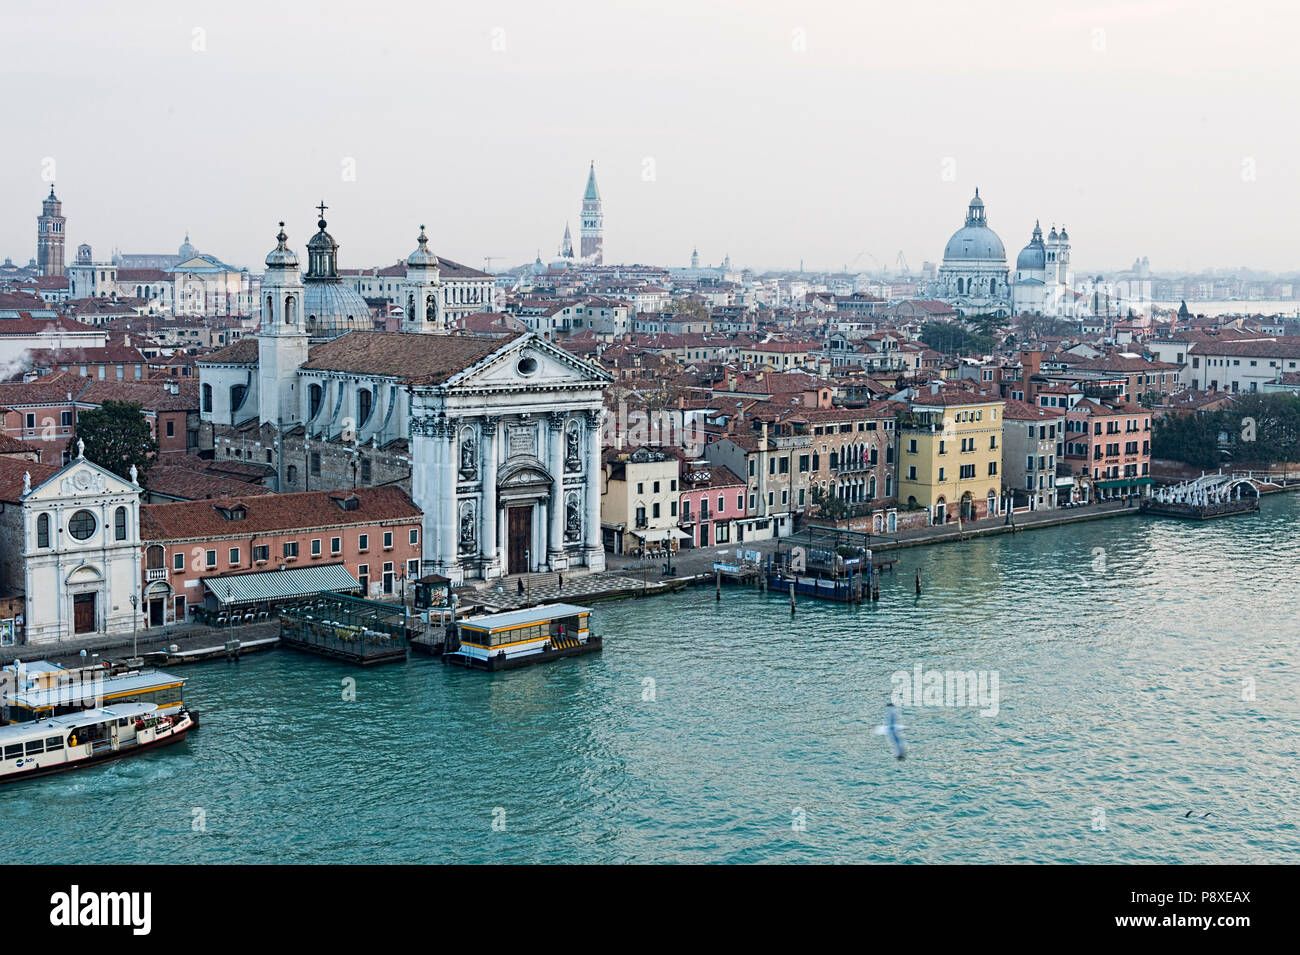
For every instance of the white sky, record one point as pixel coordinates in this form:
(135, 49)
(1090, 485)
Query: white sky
(1153, 127)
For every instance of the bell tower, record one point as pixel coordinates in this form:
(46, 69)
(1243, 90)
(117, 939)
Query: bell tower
(422, 292)
(593, 221)
(50, 232)
(282, 339)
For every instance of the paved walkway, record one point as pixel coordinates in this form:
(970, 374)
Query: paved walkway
(628, 573)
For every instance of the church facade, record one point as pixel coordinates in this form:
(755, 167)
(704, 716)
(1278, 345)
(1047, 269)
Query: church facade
(496, 439)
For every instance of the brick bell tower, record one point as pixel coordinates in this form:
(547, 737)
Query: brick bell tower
(50, 232)
(593, 222)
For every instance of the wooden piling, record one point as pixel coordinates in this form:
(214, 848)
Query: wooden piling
(918, 582)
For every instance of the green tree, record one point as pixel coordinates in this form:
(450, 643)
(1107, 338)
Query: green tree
(953, 339)
(117, 436)
(829, 506)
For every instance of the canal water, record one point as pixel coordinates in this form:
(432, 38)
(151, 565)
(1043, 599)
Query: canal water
(1145, 669)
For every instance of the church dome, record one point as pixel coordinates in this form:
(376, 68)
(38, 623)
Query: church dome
(422, 258)
(1033, 257)
(187, 251)
(975, 240)
(282, 257)
(333, 308)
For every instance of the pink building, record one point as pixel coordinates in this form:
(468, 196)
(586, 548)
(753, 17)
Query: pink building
(1108, 449)
(711, 497)
(373, 532)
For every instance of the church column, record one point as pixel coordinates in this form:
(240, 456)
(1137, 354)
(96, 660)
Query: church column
(595, 547)
(555, 511)
(488, 501)
(447, 498)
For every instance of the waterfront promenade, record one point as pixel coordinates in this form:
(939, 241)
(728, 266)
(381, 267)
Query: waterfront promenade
(625, 576)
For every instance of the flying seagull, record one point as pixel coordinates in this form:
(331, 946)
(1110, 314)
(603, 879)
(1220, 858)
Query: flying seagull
(891, 731)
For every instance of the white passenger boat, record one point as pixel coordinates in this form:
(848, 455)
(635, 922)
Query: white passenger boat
(40, 690)
(86, 738)
(517, 638)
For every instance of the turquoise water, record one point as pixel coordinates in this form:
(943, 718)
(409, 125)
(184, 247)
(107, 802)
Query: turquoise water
(1120, 677)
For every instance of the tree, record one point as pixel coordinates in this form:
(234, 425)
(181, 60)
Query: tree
(117, 436)
(830, 506)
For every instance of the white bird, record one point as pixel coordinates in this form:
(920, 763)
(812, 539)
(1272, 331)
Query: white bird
(891, 730)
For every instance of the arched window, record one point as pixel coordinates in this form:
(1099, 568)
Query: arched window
(313, 401)
(289, 317)
(43, 531)
(365, 400)
(207, 398)
(237, 395)
(993, 286)
(119, 524)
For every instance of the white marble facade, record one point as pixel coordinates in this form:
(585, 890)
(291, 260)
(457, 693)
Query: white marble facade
(508, 474)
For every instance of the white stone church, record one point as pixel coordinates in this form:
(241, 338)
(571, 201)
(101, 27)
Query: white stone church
(501, 436)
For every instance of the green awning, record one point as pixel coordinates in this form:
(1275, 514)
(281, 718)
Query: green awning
(268, 585)
(1124, 482)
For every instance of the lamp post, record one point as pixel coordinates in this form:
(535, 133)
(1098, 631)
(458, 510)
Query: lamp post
(135, 647)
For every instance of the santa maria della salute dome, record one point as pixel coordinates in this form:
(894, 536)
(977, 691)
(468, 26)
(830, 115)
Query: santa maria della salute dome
(973, 276)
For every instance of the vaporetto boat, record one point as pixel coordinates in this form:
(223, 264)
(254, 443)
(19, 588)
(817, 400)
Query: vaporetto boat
(86, 738)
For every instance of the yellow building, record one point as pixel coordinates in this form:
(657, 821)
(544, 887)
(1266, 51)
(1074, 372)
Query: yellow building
(949, 452)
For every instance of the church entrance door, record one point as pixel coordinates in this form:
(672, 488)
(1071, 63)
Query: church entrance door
(519, 535)
(83, 613)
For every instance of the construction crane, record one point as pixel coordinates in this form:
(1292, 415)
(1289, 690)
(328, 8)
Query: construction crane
(902, 263)
(487, 261)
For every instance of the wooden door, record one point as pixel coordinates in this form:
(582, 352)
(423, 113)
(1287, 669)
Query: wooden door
(519, 536)
(83, 613)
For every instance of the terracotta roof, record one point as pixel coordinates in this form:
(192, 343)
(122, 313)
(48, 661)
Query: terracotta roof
(269, 513)
(1020, 411)
(193, 484)
(149, 395)
(242, 352)
(49, 390)
(416, 359)
(11, 477)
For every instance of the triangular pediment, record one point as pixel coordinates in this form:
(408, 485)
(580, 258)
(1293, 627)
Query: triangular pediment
(79, 478)
(530, 362)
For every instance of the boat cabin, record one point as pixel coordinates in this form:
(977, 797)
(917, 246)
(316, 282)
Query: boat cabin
(520, 637)
(39, 690)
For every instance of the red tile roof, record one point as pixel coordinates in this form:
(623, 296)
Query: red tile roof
(275, 513)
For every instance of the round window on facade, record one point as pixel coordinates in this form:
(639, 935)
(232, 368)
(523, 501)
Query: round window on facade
(82, 525)
(527, 365)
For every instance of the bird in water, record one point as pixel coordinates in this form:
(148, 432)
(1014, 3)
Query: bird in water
(891, 731)
(1189, 813)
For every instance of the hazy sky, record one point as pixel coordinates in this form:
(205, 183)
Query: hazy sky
(831, 133)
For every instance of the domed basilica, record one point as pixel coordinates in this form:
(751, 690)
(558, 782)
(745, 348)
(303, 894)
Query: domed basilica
(975, 279)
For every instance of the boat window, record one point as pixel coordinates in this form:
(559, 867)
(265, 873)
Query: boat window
(35, 746)
(14, 751)
(52, 743)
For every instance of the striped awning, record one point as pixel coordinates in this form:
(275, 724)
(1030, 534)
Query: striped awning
(269, 585)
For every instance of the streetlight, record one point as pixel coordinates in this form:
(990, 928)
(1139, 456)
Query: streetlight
(135, 647)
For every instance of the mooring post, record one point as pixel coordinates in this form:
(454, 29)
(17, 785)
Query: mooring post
(792, 596)
(918, 582)
(718, 596)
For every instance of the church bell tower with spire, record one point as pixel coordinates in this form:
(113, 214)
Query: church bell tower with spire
(593, 221)
(50, 233)
(282, 339)
(422, 311)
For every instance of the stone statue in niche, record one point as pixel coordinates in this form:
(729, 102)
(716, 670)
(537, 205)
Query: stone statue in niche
(468, 460)
(468, 544)
(572, 519)
(572, 460)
